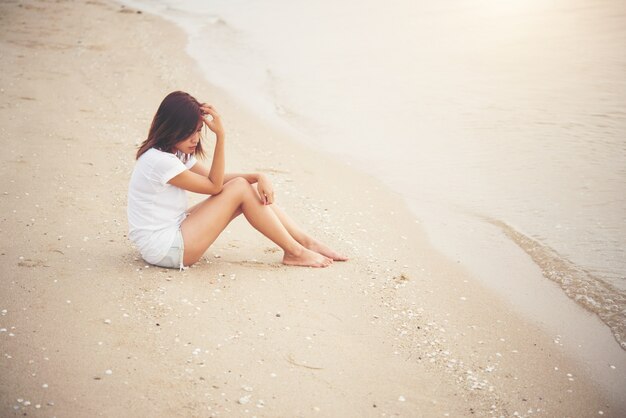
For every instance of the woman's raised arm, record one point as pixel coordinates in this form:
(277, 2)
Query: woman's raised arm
(216, 174)
(199, 179)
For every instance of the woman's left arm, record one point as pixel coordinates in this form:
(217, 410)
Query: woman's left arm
(201, 169)
(251, 177)
(264, 186)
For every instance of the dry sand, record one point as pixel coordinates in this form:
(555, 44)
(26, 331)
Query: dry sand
(88, 329)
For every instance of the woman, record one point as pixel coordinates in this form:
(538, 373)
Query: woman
(170, 235)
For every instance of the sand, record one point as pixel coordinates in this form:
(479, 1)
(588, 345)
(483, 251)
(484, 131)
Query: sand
(88, 329)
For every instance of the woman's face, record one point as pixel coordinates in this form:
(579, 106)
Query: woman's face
(188, 145)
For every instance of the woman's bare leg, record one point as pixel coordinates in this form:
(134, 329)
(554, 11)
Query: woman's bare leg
(296, 232)
(209, 218)
(303, 238)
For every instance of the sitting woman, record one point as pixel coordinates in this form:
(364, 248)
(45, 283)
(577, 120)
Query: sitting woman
(166, 232)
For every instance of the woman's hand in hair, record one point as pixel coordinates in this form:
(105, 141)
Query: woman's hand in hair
(215, 122)
(266, 191)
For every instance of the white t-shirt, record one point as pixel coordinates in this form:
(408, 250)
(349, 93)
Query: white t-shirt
(155, 208)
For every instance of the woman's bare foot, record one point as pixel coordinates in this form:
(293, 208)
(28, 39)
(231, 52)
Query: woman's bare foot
(320, 248)
(306, 258)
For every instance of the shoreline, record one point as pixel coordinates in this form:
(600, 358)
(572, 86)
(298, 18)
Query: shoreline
(349, 335)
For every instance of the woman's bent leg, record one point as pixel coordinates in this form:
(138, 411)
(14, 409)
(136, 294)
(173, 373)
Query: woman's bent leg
(202, 226)
(210, 217)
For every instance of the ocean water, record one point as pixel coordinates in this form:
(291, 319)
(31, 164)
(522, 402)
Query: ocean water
(491, 118)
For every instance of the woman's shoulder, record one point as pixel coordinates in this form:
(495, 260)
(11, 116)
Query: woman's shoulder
(154, 155)
(155, 161)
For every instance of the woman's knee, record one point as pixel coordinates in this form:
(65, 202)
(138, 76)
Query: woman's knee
(240, 186)
(237, 183)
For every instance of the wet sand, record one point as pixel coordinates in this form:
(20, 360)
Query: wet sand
(88, 329)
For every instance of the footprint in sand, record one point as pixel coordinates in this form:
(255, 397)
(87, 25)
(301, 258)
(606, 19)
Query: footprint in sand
(32, 263)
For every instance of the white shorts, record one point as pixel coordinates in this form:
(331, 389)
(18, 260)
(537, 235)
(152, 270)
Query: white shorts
(174, 257)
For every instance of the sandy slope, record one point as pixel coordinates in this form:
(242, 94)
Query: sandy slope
(87, 329)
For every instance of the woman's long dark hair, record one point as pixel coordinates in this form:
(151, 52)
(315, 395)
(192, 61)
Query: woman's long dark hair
(176, 119)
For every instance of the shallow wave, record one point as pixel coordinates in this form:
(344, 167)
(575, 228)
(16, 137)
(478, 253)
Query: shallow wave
(590, 292)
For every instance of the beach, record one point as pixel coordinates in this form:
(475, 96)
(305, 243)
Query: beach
(89, 329)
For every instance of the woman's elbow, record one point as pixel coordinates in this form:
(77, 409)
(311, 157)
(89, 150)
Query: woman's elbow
(216, 185)
(216, 188)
